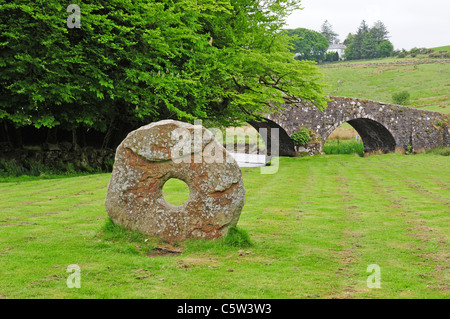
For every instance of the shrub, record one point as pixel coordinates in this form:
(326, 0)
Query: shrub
(109, 164)
(31, 167)
(332, 56)
(11, 168)
(385, 49)
(401, 98)
(409, 150)
(35, 168)
(301, 137)
(440, 54)
(444, 151)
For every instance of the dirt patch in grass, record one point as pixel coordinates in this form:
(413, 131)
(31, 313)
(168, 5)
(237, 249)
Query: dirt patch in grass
(422, 237)
(439, 97)
(46, 214)
(142, 273)
(5, 250)
(165, 251)
(54, 277)
(187, 263)
(18, 224)
(420, 228)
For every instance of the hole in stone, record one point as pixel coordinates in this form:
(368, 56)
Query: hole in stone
(175, 191)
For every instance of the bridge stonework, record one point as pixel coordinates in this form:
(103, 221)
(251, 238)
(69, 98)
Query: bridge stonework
(381, 126)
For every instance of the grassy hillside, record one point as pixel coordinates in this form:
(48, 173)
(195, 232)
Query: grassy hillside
(315, 227)
(427, 83)
(444, 48)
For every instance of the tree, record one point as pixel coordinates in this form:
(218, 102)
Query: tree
(308, 44)
(368, 42)
(327, 31)
(224, 61)
(355, 42)
(368, 46)
(332, 56)
(363, 30)
(349, 43)
(385, 49)
(379, 32)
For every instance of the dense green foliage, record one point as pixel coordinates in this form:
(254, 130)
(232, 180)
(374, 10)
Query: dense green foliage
(368, 43)
(139, 61)
(308, 44)
(384, 49)
(332, 56)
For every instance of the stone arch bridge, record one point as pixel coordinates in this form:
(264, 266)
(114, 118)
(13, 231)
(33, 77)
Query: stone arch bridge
(381, 126)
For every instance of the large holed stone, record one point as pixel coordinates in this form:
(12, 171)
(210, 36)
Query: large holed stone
(151, 155)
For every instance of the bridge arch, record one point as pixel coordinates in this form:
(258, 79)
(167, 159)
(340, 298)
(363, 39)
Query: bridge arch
(285, 143)
(374, 134)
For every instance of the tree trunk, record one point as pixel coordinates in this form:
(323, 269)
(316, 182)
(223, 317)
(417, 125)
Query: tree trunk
(74, 138)
(108, 134)
(52, 137)
(7, 138)
(18, 141)
(83, 137)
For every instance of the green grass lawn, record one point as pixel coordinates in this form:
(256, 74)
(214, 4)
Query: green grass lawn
(315, 226)
(427, 83)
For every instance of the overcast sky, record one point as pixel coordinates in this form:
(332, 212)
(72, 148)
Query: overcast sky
(411, 23)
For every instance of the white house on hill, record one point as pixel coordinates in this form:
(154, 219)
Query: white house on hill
(339, 48)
